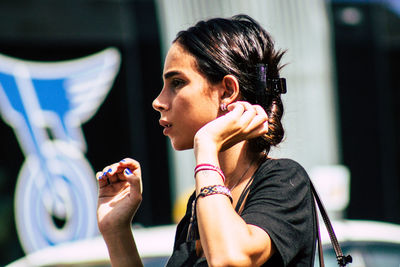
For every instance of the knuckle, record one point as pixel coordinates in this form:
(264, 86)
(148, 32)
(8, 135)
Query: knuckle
(105, 169)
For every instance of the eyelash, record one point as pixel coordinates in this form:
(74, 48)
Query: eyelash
(175, 83)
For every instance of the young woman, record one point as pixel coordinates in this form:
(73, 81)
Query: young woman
(221, 97)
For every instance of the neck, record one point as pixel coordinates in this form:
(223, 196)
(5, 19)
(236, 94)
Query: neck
(237, 163)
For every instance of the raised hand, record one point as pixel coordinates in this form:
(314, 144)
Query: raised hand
(120, 194)
(242, 122)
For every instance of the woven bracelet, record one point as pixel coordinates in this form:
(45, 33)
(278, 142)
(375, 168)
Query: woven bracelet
(213, 190)
(193, 231)
(209, 167)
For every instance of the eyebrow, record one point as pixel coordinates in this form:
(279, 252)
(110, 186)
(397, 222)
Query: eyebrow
(170, 74)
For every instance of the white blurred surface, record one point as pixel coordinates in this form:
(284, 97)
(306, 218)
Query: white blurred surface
(300, 27)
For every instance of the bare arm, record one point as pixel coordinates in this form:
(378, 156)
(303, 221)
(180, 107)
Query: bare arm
(120, 194)
(122, 248)
(225, 237)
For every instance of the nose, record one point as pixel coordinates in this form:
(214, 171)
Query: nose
(158, 105)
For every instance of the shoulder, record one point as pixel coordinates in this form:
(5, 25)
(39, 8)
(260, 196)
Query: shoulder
(281, 181)
(280, 164)
(280, 170)
(280, 202)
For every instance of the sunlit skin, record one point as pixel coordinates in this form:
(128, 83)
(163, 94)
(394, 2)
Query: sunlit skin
(190, 113)
(187, 100)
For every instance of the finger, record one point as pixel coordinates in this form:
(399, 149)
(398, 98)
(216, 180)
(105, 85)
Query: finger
(235, 111)
(248, 115)
(105, 175)
(103, 181)
(111, 173)
(257, 127)
(260, 110)
(133, 165)
(134, 180)
(244, 104)
(106, 170)
(260, 118)
(235, 105)
(254, 120)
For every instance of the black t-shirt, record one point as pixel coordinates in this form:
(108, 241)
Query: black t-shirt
(281, 203)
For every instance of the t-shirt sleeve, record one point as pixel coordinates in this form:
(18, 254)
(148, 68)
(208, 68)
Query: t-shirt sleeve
(280, 202)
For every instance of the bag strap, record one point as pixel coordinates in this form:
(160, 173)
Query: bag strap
(341, 259)
(320, 251)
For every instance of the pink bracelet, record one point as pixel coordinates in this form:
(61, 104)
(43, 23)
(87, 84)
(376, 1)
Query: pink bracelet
(209, 167)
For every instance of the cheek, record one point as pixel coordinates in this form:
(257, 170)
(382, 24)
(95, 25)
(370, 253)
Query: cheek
(195, 108)
(196, 114)
(185, 108)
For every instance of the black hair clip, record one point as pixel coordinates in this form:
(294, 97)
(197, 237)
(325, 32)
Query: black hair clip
(272, 86)
(276, 86)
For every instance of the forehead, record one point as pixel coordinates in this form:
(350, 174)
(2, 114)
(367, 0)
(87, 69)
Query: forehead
(178, 59)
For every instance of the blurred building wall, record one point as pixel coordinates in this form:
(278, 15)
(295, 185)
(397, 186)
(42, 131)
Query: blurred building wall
(300, 27)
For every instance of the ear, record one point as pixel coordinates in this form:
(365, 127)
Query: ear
(230, 90)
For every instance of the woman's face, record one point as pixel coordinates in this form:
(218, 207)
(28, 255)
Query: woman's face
(187, 100)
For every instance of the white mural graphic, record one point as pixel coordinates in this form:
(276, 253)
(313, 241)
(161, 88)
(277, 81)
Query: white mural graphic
(46, 104)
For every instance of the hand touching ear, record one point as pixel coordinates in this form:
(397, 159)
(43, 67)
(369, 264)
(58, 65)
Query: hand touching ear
(243, 121)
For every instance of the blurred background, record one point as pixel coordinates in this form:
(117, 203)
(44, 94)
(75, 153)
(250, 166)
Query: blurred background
(342, 119)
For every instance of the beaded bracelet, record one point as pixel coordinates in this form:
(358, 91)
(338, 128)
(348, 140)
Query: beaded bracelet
(209, 167)
(215, 189)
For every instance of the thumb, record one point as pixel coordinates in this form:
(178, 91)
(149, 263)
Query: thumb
(133, 179)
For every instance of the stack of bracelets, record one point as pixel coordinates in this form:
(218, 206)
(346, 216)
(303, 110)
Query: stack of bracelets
(212, 189)
(204, 192)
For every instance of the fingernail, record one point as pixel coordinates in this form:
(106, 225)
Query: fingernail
(122, 160)
(105, 173)
(100, 177)
(128, 171)
(109, 170)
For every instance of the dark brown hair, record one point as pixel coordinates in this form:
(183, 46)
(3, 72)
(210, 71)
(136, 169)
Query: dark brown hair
(236, 46)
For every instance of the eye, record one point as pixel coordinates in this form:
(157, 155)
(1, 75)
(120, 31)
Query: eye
(177, 83)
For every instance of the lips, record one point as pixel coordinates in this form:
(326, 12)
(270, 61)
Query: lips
(165, 123)
(167, 126)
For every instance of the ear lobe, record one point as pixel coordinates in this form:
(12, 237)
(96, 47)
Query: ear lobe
(231, 90)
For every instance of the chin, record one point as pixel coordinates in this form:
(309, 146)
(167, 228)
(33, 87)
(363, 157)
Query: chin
(181, 146)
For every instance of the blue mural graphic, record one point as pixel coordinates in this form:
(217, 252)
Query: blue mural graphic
(46, 104)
